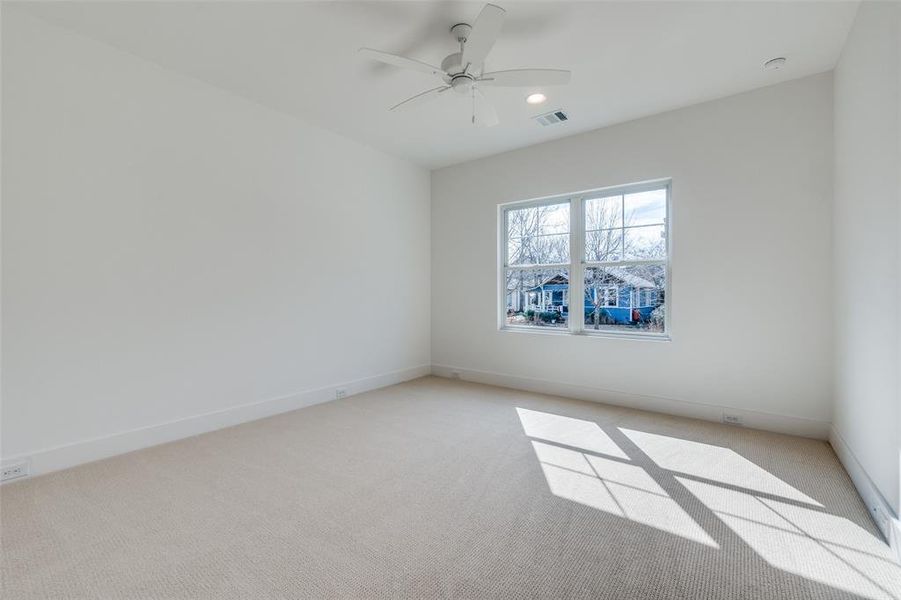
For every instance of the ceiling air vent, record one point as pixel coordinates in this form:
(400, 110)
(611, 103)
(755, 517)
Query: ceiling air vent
(551, 118)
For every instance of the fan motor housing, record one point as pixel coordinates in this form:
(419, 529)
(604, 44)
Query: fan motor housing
(453, 64)
(460, 81)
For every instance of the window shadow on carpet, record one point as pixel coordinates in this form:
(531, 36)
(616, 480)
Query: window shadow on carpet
(709, 495)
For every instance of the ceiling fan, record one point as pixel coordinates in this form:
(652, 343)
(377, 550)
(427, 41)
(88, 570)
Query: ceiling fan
(463, 71)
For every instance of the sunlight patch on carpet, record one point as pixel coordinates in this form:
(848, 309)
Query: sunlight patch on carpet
(714, 463)
(810, 543)
(568, 431)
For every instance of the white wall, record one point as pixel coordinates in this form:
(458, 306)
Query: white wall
(867, 232)
(751, 306)
(170, 250)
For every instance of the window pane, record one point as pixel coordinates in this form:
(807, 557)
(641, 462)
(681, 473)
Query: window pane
(537, 297)
(625, 298)
(538, 220)
(627, 227)
(645, 208)
(539, 249)
(603, 213)
(644, 242)
(538, 234)
(605, 245)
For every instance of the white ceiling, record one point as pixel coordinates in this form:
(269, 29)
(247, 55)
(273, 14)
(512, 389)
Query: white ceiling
(629, 59)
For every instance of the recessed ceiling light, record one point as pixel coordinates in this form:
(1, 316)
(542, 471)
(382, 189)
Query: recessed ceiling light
(774, 64)
(537, 98)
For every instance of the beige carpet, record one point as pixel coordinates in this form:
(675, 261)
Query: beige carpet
(443, 489)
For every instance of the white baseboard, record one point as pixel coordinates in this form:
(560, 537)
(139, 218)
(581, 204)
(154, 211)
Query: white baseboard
(70, 455)
(753, 419)
(882, 513)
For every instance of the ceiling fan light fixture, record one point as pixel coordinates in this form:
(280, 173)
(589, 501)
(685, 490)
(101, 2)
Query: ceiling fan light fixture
(536, 98)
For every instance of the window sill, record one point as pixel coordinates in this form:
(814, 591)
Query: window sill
(647, 337)
(628, 335)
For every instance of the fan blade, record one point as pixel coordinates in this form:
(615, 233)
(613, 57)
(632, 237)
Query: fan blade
(525, 77)
(420, 98)
(483, 113)
(401, 61)
(483, 35)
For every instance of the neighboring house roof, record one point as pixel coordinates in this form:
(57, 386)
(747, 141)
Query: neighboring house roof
(626, 277)
(617, 272)
(558, 279)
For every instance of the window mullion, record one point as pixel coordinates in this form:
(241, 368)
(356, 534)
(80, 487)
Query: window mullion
(576, 256)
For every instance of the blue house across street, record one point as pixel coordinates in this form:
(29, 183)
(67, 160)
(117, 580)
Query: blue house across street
(620, 297)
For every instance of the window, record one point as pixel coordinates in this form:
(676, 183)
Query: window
(609, 247)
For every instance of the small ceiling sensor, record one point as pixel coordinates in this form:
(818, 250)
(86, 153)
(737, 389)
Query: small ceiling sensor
(774, 64)
(537, 98)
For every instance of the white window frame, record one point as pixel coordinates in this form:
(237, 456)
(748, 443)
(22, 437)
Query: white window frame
(577, 263)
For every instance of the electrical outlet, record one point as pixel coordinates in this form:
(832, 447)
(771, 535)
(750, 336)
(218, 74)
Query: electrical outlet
(14, 470)
(340, 393)
(731, 419)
